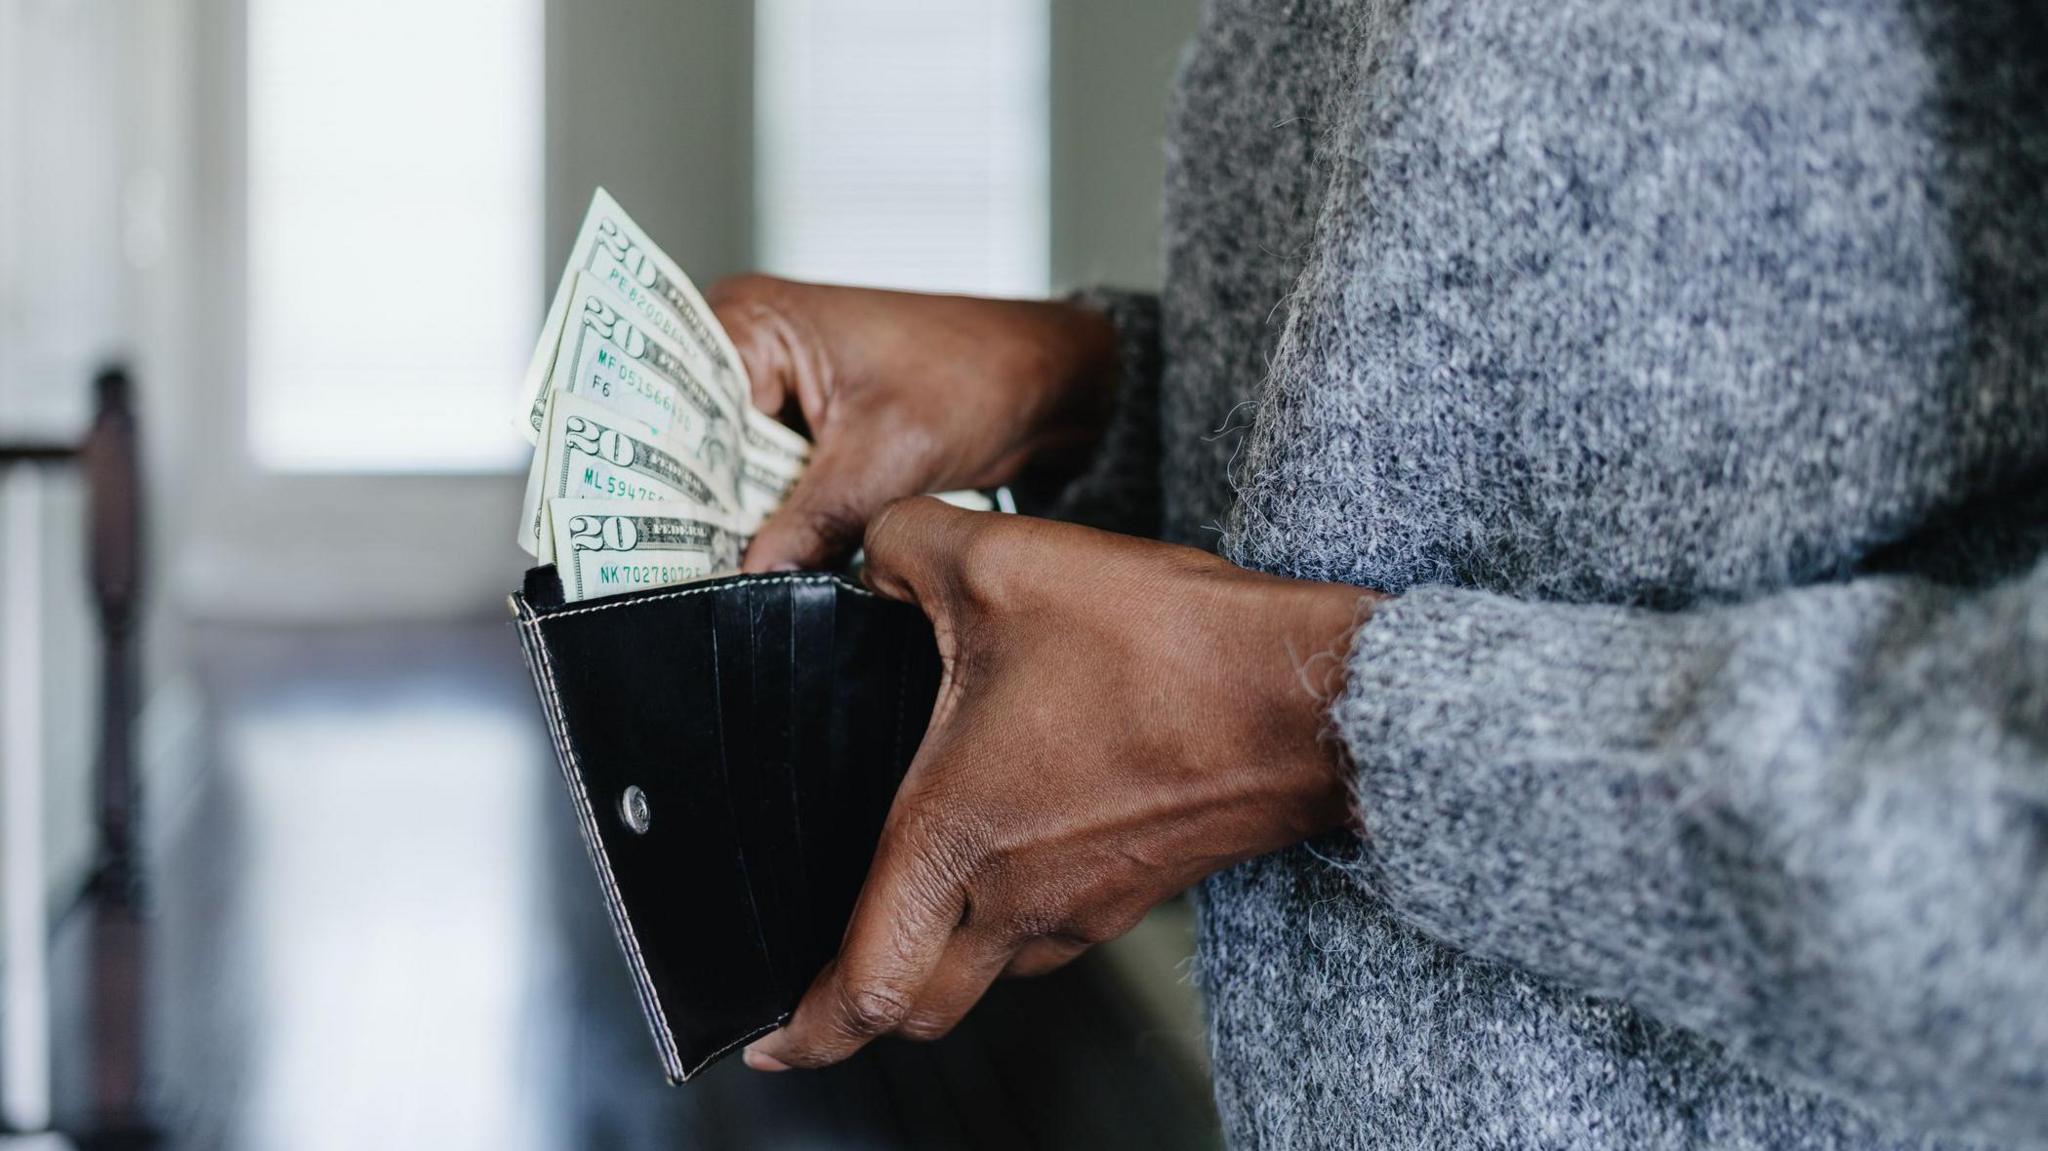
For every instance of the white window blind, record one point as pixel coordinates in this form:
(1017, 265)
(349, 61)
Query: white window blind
(64, 274)
(394, 230)
(903, 143)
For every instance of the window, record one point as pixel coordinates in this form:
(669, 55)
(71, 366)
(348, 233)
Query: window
(904, 144)
(63, 153)
(394, 266)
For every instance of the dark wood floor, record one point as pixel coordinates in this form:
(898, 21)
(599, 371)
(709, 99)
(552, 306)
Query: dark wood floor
(373, 928)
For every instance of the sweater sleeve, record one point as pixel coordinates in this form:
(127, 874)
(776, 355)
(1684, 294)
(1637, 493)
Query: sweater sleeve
(1813, 827)
(1119, 489)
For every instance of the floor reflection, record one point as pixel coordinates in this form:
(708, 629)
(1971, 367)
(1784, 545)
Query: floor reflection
(393, 927)
(375, 928)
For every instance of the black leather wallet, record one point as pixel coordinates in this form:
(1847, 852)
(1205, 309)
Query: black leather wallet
(731, 749)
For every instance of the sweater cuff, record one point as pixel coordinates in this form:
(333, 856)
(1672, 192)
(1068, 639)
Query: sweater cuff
(1507, 769)
(1119, 489)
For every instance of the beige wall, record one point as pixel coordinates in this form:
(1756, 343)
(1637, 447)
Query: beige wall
(1113, 63)
(653, 99)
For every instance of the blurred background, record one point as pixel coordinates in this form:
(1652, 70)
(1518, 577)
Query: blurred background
(284, 861)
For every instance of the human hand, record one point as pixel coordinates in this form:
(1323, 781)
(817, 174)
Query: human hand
(1117, 719)
(905, 393)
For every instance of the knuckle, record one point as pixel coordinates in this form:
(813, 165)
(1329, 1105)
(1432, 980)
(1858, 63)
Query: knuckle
(885, 532)
(872, 1008)
(952, 844)
(980, 555)
(828, 524)
(967, 553)
(812, 524)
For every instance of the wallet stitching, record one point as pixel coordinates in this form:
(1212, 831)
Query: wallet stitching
(789, 579)
(650, 998)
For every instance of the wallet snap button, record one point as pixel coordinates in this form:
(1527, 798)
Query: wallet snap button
(633, 810)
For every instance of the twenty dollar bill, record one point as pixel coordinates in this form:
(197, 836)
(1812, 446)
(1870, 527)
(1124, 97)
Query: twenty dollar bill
(592, 453)
(612, 250)
(606, 547)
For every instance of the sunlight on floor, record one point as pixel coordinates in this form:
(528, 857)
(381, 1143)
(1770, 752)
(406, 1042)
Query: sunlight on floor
(396, 916)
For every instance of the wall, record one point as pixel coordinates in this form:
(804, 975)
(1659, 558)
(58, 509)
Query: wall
(1113, 64)
(654, 100)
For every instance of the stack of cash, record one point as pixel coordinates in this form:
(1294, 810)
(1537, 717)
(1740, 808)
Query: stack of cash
(651, 466)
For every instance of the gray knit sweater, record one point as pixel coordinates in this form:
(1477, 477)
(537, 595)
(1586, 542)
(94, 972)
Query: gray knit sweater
(1684, 366)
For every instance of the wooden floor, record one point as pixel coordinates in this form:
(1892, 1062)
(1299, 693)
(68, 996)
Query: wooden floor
(373, 928)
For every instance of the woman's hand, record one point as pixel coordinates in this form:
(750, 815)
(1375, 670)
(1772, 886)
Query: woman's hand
(905, 394)
(1117, 719)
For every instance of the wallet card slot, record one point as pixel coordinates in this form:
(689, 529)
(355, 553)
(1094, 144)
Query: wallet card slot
(730, 646)
(755, 762)
(864, 763)
(682, 899)
(820, 819)
(766, 721)
(853, 758)
(771, 616)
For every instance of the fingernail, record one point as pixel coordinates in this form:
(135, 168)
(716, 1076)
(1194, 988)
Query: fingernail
(762, 1061)
(785, 567)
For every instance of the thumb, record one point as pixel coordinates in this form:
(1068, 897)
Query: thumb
(914, 546)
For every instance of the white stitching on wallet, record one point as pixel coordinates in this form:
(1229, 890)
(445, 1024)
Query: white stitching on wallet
(650, 1001)
(808, 578)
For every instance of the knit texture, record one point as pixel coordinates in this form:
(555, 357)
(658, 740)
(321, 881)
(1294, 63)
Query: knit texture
(1684, 363)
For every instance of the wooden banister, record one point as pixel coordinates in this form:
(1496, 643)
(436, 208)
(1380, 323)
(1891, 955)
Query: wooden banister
(109, 460)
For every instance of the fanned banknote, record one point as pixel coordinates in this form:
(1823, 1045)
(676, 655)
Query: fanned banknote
(607, 359)
(609, 355)
(591, 452)
(607, 547)
(612, 250)
(651, 465)
(635, 394)
(771, 459)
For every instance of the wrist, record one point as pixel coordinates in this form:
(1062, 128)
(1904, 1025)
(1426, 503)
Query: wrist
(1308, 663)
(1281, 651)
(1032, 396)
(1077, 402)
(1076, 369)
